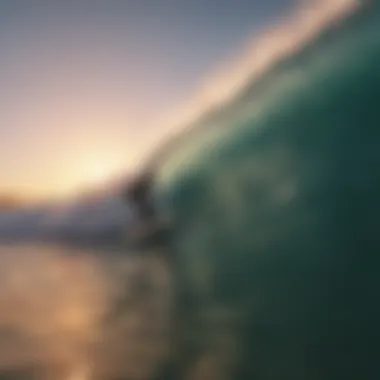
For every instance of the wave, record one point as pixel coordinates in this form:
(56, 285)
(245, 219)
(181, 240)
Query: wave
(343, 38)
(275, 198)
(290, 35)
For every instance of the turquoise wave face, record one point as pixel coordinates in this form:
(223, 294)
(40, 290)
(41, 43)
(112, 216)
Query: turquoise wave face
(275, 202)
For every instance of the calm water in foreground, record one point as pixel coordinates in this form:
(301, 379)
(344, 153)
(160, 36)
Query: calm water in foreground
(81, 314)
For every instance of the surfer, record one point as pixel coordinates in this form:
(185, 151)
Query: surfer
(148, 234)
(148, 231)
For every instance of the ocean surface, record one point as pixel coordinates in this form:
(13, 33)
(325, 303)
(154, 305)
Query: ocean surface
(79, 314)
(274, 200)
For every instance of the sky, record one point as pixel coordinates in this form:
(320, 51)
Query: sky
(85, 84)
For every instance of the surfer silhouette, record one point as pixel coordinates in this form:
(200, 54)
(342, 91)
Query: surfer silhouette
(148, 230)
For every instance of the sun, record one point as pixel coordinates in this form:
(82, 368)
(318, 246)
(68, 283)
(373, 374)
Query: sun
(99, 175)
(91, 172)
(79, 373)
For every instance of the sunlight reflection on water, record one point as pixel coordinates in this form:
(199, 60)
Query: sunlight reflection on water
(54, 306)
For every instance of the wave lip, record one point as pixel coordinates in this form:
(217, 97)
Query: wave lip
(290, 34)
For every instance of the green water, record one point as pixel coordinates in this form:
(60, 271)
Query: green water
(275, 204)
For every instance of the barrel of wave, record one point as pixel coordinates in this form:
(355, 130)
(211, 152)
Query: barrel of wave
(275, 221)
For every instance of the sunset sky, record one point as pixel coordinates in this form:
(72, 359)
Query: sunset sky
(85, 84)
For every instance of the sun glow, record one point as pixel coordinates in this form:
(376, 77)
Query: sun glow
(92, 172)
(99, 175)
(80, 373)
